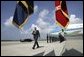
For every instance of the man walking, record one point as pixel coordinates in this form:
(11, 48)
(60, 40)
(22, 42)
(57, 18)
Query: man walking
(35, 34)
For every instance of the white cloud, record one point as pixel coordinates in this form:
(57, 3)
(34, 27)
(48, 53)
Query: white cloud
(35, 8)
(8, 22)
(75, 22)
(74, 19)
(43, 13)
(41, 23)
(49, 29)
(45, 26)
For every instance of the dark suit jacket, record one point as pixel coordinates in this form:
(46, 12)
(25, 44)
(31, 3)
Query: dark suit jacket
(36, 34)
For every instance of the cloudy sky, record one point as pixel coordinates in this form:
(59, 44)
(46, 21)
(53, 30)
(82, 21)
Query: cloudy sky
(43, 18)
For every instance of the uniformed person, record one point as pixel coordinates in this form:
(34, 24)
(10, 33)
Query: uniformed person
(61, 36)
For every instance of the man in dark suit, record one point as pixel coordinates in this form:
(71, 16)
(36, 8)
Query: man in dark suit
(35, 34)
(47, 38)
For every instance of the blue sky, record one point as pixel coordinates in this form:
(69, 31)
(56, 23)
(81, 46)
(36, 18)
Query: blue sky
(43, 18)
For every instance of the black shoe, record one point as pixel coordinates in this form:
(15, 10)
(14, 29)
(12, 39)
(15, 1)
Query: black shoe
(33, 48)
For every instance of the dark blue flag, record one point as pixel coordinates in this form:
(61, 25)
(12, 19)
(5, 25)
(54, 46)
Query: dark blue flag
(23, 10)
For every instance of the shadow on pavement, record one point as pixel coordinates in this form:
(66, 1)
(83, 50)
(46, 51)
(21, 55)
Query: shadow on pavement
(52, 53)
(49, 54)
(40, 54)
(72, 52)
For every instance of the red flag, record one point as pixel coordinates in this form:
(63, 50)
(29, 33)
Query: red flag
(61, 13)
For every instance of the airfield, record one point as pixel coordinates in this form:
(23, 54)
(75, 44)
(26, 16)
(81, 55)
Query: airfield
(73, 46)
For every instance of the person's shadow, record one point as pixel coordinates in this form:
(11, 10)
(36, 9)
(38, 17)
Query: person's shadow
(40, 47)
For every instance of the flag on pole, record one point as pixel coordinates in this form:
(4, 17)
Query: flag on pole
(23, 10)
(61, 13)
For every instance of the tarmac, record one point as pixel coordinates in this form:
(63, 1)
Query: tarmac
(70, 47)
